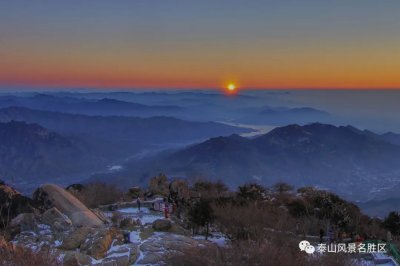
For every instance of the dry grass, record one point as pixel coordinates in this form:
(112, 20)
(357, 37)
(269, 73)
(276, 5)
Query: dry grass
(18, 256)
(242, 253)
(262, 233)
(279, 251)
(248, 222)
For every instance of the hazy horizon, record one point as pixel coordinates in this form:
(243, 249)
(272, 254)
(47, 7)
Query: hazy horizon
(374, 110)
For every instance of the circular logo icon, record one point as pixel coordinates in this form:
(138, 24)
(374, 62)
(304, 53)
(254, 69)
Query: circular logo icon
(303, 244)
(310, 249)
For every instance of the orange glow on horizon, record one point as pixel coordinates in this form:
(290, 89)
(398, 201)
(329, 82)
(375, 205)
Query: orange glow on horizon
(305, 69)
(184, 84)
(258, 69)
(85, 75)
(134, 45)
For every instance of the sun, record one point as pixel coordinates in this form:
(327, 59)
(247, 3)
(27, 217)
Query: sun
(231, 87)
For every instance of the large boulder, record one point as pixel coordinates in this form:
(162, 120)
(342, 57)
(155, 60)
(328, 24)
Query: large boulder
(50, 195)
(162, 225)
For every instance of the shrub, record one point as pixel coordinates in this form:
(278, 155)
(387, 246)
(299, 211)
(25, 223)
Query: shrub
(298, 208)
(95, 194)
(201, 214)
(280, 251)
(392, 223)
(328, 206)
(282, 187)
(251, 192)
(250, 221)
(159, 185)
(127, 223)
(210, 190)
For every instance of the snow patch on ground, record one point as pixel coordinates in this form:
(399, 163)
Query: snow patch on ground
(134, 210)
(216, 238)
(144, 215)
(57, 243)
(134, 237)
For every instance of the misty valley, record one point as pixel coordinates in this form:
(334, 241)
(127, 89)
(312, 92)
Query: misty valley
(125, 138)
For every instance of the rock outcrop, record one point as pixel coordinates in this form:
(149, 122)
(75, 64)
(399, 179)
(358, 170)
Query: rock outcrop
(56, 219)
(50, 195)
(162, 225)
(101, 216)
(24, 222)
(75, 258)
(12, 203)
(101, 242)
(159, 248)
(75, 239)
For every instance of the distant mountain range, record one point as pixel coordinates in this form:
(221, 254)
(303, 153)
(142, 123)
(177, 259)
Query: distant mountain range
(279, 115)
(392, 138)
(74, 105)
(45, 145)
(343, 159)
(129, 134)
(243, 109)
(380, 208)
(30, 152)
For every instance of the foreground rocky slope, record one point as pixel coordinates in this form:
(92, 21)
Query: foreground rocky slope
(61, 225)
(202, 224)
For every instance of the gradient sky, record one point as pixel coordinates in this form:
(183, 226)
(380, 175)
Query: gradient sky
(205, 44)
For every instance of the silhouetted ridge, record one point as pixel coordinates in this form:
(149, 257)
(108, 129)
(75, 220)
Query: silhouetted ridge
(341, 158)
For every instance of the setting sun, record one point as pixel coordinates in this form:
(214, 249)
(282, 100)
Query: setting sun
(231, 87)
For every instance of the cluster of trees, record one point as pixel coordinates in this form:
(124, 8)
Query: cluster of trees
(96, 193)
(247, 212)
(263, 222)
(392, 223)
